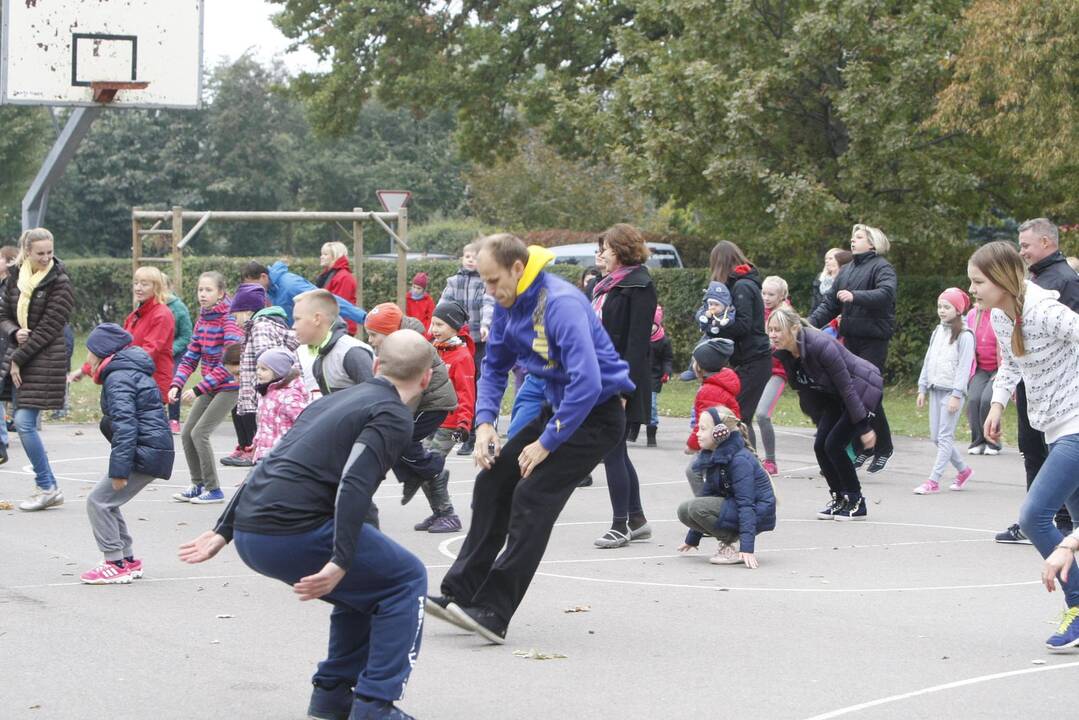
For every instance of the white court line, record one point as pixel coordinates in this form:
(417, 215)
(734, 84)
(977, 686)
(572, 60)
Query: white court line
(938, 688)
(135, 582)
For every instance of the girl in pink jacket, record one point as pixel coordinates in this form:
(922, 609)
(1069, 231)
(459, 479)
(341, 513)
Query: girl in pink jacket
(282, 397)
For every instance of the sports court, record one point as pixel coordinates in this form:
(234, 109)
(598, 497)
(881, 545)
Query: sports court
(915, 613)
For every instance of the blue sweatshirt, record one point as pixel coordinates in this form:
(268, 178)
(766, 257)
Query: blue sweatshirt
(552, 331)
(285, 285)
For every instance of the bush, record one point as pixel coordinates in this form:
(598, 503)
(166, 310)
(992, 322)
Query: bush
(444, 236)
(103, 293)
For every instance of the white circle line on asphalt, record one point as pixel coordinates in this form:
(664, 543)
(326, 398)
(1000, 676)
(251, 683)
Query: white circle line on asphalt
(939, 688)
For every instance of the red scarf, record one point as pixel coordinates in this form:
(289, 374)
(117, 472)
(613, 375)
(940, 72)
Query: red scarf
(599, 295)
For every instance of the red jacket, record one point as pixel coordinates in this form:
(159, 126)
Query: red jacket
(153, 328)
(721, 388)
(461, 366)
(422, 309)
(340, 281)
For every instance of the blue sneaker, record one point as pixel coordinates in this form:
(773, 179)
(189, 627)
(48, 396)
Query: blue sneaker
(208, 497)
(1067, 635)
(376, 710)
(192, 492)
(330, 703)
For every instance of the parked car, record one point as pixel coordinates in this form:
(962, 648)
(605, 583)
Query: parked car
(664, 255)
(412, 256)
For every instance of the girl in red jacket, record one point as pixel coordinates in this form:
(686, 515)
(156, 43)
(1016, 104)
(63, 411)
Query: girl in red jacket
(719, 386)
(337, 275)
(151, 325)
(451, 338)
(419, 304)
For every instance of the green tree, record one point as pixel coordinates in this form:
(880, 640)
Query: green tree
(25, 134)
(537, 188)
(1014, 84)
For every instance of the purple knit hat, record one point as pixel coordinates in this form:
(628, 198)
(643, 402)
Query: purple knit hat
(277, 359)
(250, 297)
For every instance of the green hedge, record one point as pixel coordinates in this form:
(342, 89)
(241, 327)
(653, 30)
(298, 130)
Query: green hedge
(102, 292)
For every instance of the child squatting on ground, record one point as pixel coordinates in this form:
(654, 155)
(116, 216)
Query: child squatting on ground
(133, 420)
(946, 372)
(737, 502)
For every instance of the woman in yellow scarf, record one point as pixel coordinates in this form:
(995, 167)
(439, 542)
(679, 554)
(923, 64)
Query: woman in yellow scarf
(36, 304)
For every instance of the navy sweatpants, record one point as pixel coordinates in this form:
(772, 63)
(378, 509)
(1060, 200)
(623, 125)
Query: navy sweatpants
(377, 618)
(417, 463)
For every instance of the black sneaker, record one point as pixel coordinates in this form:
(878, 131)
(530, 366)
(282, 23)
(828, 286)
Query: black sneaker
(1064, 523)
(409, 488)
(828, 511)
(372, 709)
(851, 509)
(3, 454)
(330, 703)
(467, 447)
(879, 463)
(859, 460)
(480, 621)
(438, 606)
(1012, 536)
(586, 482)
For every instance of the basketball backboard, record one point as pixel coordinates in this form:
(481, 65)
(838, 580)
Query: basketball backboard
(51, 53)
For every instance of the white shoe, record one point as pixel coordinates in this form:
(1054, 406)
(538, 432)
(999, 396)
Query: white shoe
(992, 451)
(977, 450)
(43, 499)
(726, 555)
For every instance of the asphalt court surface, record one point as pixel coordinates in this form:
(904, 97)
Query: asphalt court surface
(914, 613)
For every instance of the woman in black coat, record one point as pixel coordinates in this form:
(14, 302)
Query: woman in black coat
(625, 301)
(864, 296)
(752, 358)
(838, 390)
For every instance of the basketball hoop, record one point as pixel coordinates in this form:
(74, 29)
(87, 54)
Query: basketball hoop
(105, 92)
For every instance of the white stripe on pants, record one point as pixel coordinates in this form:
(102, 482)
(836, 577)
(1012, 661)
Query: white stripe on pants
(942, 431)
(103, 507)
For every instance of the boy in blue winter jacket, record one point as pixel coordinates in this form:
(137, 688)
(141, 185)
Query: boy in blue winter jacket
(737, 501)
(134, 422)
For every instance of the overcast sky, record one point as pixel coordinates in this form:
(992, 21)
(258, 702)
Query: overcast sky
(232, 27)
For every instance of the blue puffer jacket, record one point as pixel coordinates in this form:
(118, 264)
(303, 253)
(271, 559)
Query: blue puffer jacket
(133, 418)
(731, 471)
(285, 285)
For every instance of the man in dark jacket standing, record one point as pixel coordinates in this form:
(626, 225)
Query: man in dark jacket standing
(546, 325)
(864, 295)
(298, 518)
(1039, 246)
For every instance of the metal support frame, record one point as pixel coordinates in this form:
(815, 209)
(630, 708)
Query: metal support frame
(36, 200)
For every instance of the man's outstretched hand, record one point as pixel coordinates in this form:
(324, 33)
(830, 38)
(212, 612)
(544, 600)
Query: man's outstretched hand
(202, 548)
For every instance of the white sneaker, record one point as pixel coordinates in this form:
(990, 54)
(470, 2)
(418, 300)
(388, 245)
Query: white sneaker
(992, 451)
(43, 499)
(726, 555)
(977, 450)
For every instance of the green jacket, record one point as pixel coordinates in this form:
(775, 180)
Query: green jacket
(183, 325)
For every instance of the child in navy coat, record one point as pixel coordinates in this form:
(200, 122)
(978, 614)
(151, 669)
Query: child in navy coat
(737, 501)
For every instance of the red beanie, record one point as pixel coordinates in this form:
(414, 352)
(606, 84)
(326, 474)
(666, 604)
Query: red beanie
(957, 299)
(420, 279)
(384, 319)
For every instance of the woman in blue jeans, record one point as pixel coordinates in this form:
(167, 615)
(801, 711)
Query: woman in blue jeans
(1039, 344)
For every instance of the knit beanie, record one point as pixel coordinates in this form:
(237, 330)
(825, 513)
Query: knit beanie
(452, 313)
(249, 297)
(278, 359)
(107, 339)
(420, 279)
(713, 355)
(957, 299)
(384, 319)
(718, 291)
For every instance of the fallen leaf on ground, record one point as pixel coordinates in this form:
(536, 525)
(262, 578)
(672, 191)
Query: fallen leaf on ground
(578, 608)
(225, 616)
(5, 505)
(1037, 662)
(215, 642)
(535, 654)
(78, 432)
(181, 523)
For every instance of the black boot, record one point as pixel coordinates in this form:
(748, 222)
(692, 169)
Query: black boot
(652, 435)
(467, 446)
(634, 431)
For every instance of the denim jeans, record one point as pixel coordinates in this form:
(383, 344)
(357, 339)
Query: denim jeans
(26, 426)
(1056, 483)
(654, 419)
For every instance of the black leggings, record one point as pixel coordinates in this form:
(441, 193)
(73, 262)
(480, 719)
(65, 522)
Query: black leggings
(876, 352)
(245, 426)
(754, 376)
(834, 432)
(622, 483)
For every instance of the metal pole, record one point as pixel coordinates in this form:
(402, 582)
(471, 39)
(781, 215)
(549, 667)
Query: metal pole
(177, 258)
(136, 242)
(357, 257)
(52, 169)
(402, 256)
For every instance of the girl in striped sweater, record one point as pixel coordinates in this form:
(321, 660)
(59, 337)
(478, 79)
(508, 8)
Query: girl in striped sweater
(214, 396)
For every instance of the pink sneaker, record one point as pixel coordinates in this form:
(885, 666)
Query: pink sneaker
(927, 488)
(107, 573)
(961, 479)
(174, 427)
(135, 568)
(770, 467)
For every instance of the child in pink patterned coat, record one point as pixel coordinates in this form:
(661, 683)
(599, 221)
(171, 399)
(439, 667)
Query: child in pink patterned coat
(282, 397)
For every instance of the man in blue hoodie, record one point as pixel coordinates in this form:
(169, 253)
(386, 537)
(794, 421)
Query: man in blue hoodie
(283, 286)
(547, 326)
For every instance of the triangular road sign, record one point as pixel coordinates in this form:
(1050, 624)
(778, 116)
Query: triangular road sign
(394, 200)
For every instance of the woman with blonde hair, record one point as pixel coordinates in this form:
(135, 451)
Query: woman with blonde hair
(37, 303)
(336, 275)
(1039, 344)
(838, 391)
(863, 296)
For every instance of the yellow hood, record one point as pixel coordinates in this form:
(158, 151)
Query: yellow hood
(538, 258)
